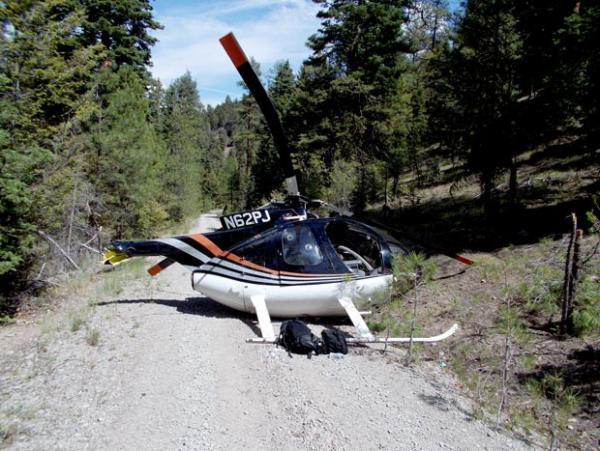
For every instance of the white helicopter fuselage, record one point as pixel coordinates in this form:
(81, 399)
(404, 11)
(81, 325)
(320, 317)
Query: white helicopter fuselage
(289, 301)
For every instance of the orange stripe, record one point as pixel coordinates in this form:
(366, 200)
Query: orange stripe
(464, 260)
(208, 244)
(217, 251)
(233, 49)
(242, 261)
(155, 270)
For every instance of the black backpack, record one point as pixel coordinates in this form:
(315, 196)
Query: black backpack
(295, 336)
(334, 340)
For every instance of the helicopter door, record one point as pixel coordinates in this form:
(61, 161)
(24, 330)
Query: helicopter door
(357, 247)
(259, 263)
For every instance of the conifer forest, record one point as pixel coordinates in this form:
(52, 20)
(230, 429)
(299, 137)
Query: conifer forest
(475, 129)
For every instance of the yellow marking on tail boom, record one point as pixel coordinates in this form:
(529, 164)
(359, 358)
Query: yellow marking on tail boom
(114, 257)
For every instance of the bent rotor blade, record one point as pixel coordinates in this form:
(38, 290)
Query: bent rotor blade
(436, 249)
(243, 66)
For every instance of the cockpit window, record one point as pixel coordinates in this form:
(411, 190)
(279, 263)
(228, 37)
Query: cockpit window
(258, 251)
(358, 249)
(300, 248)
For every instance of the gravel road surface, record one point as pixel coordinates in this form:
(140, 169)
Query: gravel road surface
(155, 366)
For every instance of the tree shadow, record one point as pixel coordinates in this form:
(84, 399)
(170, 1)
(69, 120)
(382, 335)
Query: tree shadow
(461, 224)
(562, 180)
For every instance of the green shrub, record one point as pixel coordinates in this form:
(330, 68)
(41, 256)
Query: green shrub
(586, 314)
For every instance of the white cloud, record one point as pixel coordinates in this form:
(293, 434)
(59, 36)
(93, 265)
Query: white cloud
(268, 30)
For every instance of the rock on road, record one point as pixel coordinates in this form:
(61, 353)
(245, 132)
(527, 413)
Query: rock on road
(171, 371)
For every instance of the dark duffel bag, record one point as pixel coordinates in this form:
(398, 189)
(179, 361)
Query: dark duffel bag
(334, 340)
(296, 337)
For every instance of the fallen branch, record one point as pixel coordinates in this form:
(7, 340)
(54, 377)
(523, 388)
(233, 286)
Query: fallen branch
(60, 249)
(95, 235)
(44, 282)
(90, 248)
(39, 276)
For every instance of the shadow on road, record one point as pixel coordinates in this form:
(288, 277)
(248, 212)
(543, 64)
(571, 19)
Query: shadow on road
(195, 306)
(211, 309)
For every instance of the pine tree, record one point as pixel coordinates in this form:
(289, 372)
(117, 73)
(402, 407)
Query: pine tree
(355, 67)
(247, 138)
(19, 169)
(580, 43)
(486, 60)
(123, 28)
(267, 172)
(186, 131)
(127, 159)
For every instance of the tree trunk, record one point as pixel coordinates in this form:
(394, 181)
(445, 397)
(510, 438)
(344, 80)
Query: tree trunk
(512, 183)
(486, 194)
(570, 282)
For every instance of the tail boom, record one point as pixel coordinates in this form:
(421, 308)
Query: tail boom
(190, 251)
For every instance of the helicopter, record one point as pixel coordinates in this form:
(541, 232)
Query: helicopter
(282, 259)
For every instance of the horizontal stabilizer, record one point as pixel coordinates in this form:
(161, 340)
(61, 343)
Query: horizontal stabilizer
(113, 257)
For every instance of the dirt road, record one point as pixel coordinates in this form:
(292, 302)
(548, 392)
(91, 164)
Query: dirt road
(154, 366)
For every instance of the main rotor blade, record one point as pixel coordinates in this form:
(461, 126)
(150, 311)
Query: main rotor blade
(429, 247)
(243, 66)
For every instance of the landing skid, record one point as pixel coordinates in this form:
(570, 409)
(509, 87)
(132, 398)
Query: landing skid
(375, 339)
(393, 340)
(364, 334)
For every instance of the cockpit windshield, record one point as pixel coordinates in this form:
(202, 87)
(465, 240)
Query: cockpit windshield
(300, 247)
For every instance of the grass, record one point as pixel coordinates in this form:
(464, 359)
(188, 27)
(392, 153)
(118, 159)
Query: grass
(112, 283)
(78, 319)
(9, 418)
(5, 320)
(7, 434)
(92, 336)
(548, 387)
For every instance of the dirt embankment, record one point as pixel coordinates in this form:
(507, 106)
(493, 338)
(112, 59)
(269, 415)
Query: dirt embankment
(150, 364)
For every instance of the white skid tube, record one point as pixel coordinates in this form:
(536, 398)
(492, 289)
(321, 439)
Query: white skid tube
(439, 337)
(374, 339)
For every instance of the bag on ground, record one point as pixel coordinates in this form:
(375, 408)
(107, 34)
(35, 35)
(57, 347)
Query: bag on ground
(334, 341)
(296, 337)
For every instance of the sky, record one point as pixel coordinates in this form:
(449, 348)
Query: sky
(268, 30)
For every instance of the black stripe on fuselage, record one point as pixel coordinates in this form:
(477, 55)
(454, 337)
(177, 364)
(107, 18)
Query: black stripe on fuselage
(241, 272)
(241, 269)
(273, 282)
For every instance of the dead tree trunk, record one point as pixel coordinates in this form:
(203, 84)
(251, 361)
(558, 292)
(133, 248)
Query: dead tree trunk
(513, 185)
(60, 249)
(571, 276)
